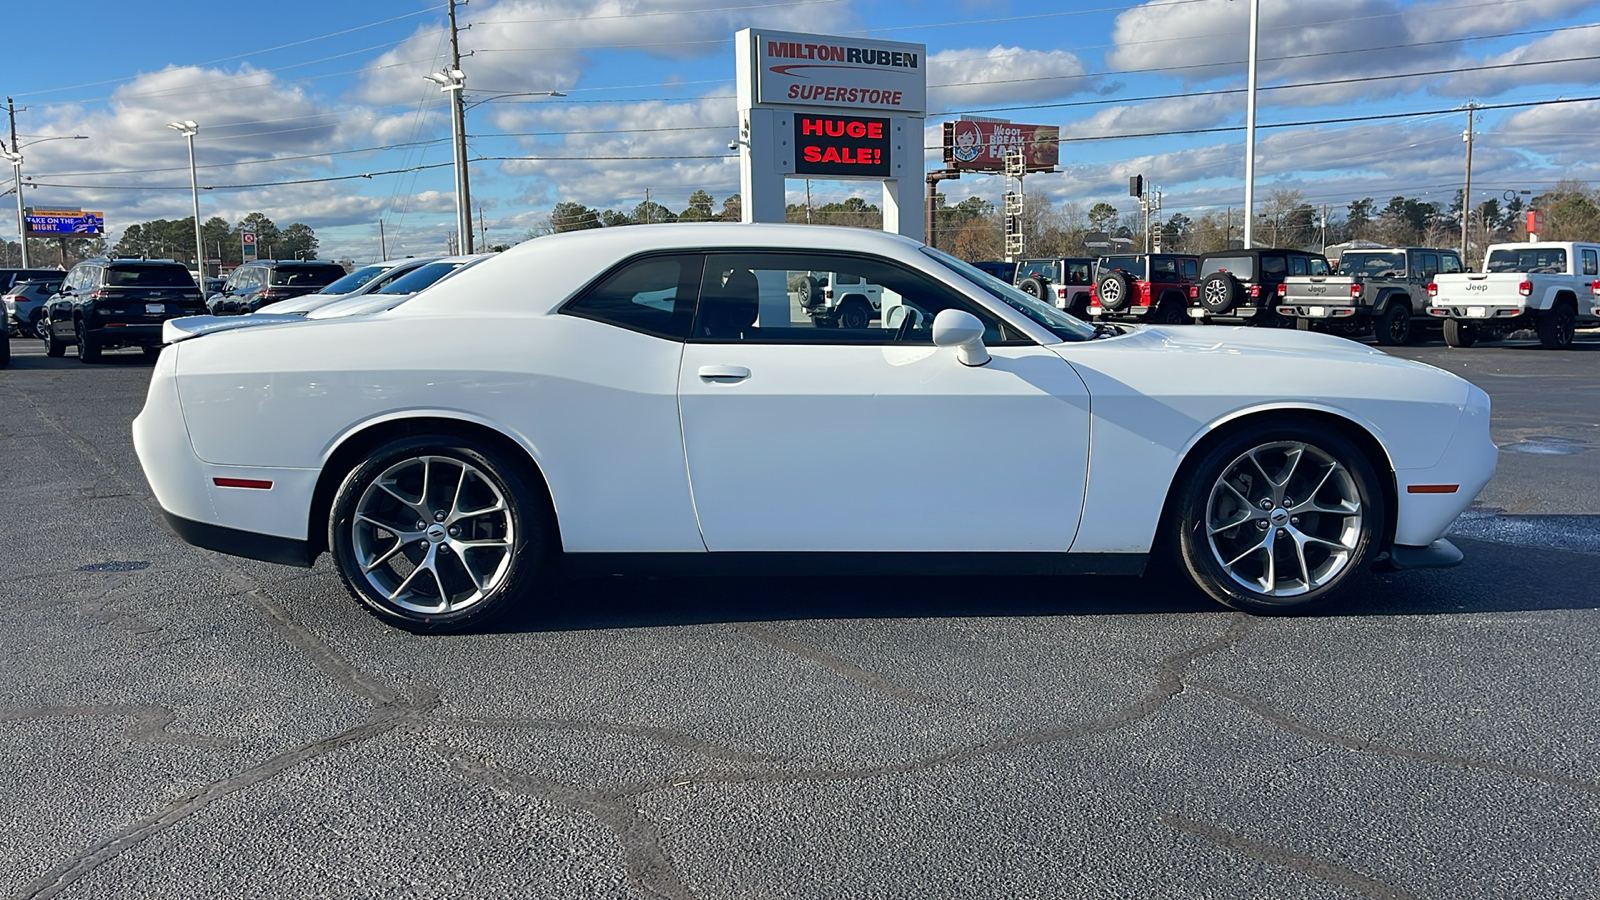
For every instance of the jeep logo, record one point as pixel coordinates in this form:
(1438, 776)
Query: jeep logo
(1316, 289)
(1477, 287)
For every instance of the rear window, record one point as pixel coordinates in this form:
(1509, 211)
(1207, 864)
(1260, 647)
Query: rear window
(354, 280)
(1373, 265)
(306, 276)
(1241, 267)
(1550, 260)
(419, 278)
(124, 275)
(1133, 265)
(1045, 268)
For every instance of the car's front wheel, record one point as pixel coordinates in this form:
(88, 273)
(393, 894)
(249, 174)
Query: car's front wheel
(88, 344)
(1278, 517)
(54, 347)
(438, 533)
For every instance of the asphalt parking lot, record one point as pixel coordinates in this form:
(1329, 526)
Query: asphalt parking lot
(183, 724)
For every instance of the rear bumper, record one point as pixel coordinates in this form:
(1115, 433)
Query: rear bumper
(265, 547)
(1488, 314)
(1429, 499)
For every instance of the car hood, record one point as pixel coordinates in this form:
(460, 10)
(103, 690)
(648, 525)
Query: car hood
(1252, 340)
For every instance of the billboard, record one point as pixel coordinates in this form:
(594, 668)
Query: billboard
(841, 145)
(982, 146)
(838, 72)
(64, 222)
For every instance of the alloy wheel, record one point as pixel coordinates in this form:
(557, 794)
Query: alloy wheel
(1284, 519)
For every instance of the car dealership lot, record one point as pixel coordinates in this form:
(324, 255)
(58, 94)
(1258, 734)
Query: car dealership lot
(188, 724)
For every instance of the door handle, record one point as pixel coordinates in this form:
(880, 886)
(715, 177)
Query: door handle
(724, 374)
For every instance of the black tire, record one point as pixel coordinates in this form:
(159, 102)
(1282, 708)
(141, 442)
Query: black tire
(514, 540)
(1394, 328)
(1271, 527)
(810, 291)
(1035, 286)
(1460, 334)
(1220, 292)
(88, 344)
(854, 314)
(54, 347)
(1558, 326)
(1171, 311)
(1114, 290)
(152, 351)
(33, 323)
(1078, 307)
(1303, 324)
(824, 321)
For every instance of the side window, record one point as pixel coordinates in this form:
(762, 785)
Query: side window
(1430, 265)
(774, 297)
(1591, 264)
(1191, 269)
(1078, 273)
(1274, 265)
(1163, 270)
(1320, 266)
(1449, 262)
(1297, 265)
(653, 295)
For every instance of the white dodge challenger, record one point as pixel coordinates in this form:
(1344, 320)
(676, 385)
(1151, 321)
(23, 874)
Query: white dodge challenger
(657, 399)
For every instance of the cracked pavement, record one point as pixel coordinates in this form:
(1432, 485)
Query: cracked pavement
(184, 724)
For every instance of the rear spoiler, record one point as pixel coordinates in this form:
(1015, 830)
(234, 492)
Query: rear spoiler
(174, 330)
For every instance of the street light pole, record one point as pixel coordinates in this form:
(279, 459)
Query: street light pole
(14, 153)
(189, 129)
(452, 82)
(1250, 129)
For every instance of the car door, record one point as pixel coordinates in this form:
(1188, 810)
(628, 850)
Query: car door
(806, 438)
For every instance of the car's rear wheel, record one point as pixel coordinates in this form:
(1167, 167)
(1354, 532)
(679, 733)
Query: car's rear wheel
(88, 344)
(1393, 328)
(854, 314)
(1460, 334)
(1558, 327)
(1279, 517)
(53, 346)
(438, 533)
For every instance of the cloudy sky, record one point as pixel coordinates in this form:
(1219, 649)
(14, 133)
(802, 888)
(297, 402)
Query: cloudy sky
(319, 112)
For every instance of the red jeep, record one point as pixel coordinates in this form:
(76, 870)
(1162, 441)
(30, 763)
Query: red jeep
(1146, 287)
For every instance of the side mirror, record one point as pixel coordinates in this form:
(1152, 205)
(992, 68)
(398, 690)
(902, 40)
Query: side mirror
(962, 330)
(900, 315)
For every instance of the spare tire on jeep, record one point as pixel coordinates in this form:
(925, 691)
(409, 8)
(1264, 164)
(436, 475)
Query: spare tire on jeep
(810, 291)
(1220, 292)
(1035, 285)
(1113, 290)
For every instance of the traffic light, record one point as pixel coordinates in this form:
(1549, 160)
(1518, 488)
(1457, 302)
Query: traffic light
(1136, 186)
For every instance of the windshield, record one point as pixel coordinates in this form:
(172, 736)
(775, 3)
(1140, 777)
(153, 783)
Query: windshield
(420, 278)
(1373, 265)
(149, 276)
(1551, 260)
(355, 279)
(1057, 322)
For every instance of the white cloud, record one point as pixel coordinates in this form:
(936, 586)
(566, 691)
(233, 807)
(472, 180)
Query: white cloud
(961, 79)
(1572, 43)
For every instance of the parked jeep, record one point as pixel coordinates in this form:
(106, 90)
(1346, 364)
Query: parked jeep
(1240, 287)
(837, 299)
(1149, 287)
(109, 303)
(1548, 286)
(1379, 292)
(1062, 281)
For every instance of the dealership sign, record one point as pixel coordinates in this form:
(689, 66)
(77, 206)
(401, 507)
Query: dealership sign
(983, 146)
(64, 222)
(839, 72)
(841, 145)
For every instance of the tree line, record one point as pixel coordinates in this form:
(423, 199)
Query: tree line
(973, 229)
(174, 239)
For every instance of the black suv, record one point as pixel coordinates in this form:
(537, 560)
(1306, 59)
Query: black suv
(1241, 286)
(108, 303)
(263, 281)
(1061, 281)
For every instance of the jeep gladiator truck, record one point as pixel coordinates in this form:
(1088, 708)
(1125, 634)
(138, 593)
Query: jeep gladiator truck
(1379, 292)
(1548, 286)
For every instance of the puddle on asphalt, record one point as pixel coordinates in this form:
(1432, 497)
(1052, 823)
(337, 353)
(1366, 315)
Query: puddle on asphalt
(1548, 445)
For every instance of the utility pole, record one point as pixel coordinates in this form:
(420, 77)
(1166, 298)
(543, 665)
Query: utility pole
(483, 228)
(383, 244)
(1324, 229)
(16, 166)
(931, 205)
(458, 114)
(1250, 128)
(1466, 190)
